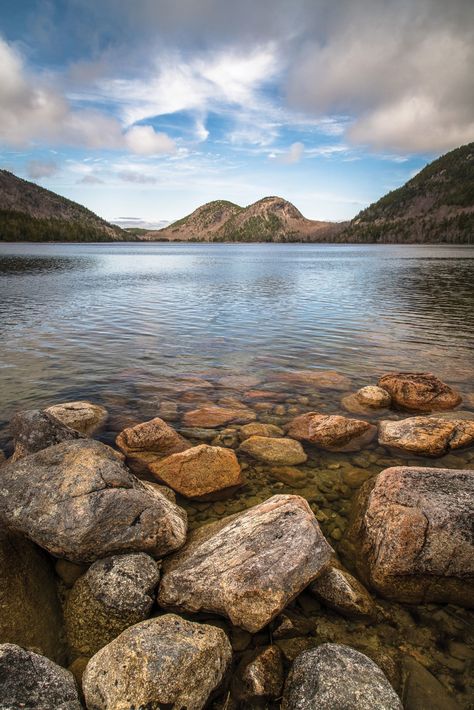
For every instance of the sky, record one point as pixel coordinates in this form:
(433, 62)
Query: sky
(144, 109)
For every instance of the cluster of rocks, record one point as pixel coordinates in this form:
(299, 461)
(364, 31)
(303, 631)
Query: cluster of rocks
(106, 522)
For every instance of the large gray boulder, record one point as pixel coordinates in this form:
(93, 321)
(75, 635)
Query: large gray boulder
(162, 662)
(30, 681)
(115, 593)
(411, 535)
(34, 430)
(336, 677)
(79, 501)
(250, 566)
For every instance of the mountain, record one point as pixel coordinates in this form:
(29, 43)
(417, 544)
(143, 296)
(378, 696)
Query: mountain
(271, 219)
(437, 205)
(30, 213)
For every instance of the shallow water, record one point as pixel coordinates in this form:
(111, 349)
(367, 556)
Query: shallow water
(128, 325)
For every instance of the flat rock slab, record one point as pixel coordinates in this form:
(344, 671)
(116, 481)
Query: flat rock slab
(426, 436)
(28, 680)
(149, 442)
(34, 430)
(276, 451)
(218, 416)
(162, 662)
(199, 471)
(248, 567)
(336, 677)
(412, 535)
(79, 501)
(332, 432)
(84, 417)
(419, 391)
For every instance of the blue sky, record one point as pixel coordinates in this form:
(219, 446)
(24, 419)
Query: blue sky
(147, 109)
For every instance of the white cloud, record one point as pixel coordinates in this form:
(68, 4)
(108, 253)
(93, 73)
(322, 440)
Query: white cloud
(144, 140)
(290, 156)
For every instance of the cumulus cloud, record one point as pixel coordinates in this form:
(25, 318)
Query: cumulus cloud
(37, 169)
(144, 140)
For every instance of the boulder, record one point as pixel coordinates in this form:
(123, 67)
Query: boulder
(199, 471)
(30, 612)
(250, 566)
(343, 593)
(319, 379)
(28, 680)
(115, 593)
(239, 382)
(163, 662)
(213, 416)
(334, 676)
(34, 430)
(79, 501)
(419, 391)
(260, 675)
(149, 442)
(411, 532)
(373, 396)
(279, 452)
(259, 429)
(332, 432)
(426, 436)
(85, 417)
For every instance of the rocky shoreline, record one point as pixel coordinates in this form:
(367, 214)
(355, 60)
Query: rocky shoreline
(241, 549)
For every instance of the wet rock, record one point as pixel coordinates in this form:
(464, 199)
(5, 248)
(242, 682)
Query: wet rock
(168, 410)
(319, 379)
(115, 593)
(260, 429)
(149, 442)
(419, 391)
(239, 382)
(332, 432)
(411, 531)
(260, 675)
(426, 436)
(79, 501)
(250, 566)
(228, 438)
(34, 430)
(421, 690)
(199, 471)
(340, 591)
(84, 417)
(30, 612)
(28, 680)
(198, 433)
(162, 662)
(373, 396)
(274, 451)
(335, 676)
(289, 475)
(213, 416)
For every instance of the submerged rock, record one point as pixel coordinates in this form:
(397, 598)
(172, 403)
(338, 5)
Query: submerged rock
(419, 391)
(332, 432)
(334, 676)
(426, 436)
(199, 471)
(420, 689)
(30, 612)
(214, 416)
(239, 382)
(149, 442)
(34, 430)
(411, 532)
(115, 593)
(84, 417)
(28, 680)
(250, 566)
(340, 591)
(259, 429)
(373, 396)
(162, 662)
(319, 379)
(79, 501)
(283, 452)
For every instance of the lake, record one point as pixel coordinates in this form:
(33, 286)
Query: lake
(157, 329)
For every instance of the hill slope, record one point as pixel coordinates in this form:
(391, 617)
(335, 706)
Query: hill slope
(271, 219)
(28, 212)
(437, 205)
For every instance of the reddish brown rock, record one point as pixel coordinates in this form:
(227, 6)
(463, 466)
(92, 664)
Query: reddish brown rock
(319, 379)
(419, 391)
(149, 442)
(250, 566)
(411, 533)
(199, 471)
(426, 436)
(259, 429)
(280, 451)
(332, 432)
(218, 416)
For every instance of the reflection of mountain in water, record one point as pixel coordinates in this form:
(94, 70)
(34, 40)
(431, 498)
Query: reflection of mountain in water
(19, 265)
